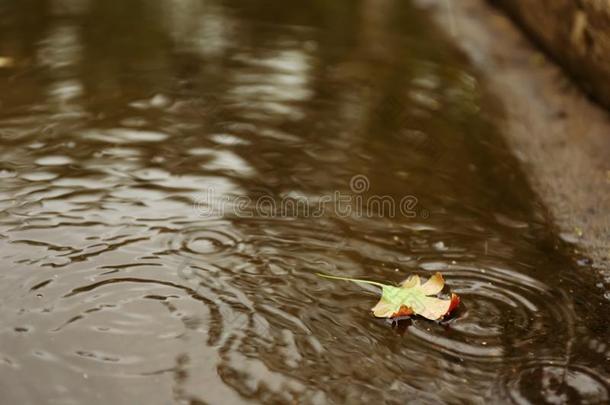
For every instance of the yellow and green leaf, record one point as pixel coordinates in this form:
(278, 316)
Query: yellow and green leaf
(410, 298)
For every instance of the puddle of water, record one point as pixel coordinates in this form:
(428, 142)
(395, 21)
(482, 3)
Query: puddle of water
(174, 173)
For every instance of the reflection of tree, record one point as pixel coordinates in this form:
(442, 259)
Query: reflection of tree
(335, 82)
(21, 31)
(127, 49)
(18, 39)
(331, 84)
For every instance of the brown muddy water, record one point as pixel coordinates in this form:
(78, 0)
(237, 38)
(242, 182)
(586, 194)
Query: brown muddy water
(174, 173)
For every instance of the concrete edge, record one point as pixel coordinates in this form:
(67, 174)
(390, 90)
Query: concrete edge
(559, 135)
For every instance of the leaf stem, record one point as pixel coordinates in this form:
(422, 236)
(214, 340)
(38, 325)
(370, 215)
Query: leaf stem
(357, 280)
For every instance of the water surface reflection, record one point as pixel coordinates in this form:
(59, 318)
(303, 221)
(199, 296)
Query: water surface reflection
(123, 123)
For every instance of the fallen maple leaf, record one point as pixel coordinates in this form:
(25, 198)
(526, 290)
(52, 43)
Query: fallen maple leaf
(410, 298)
